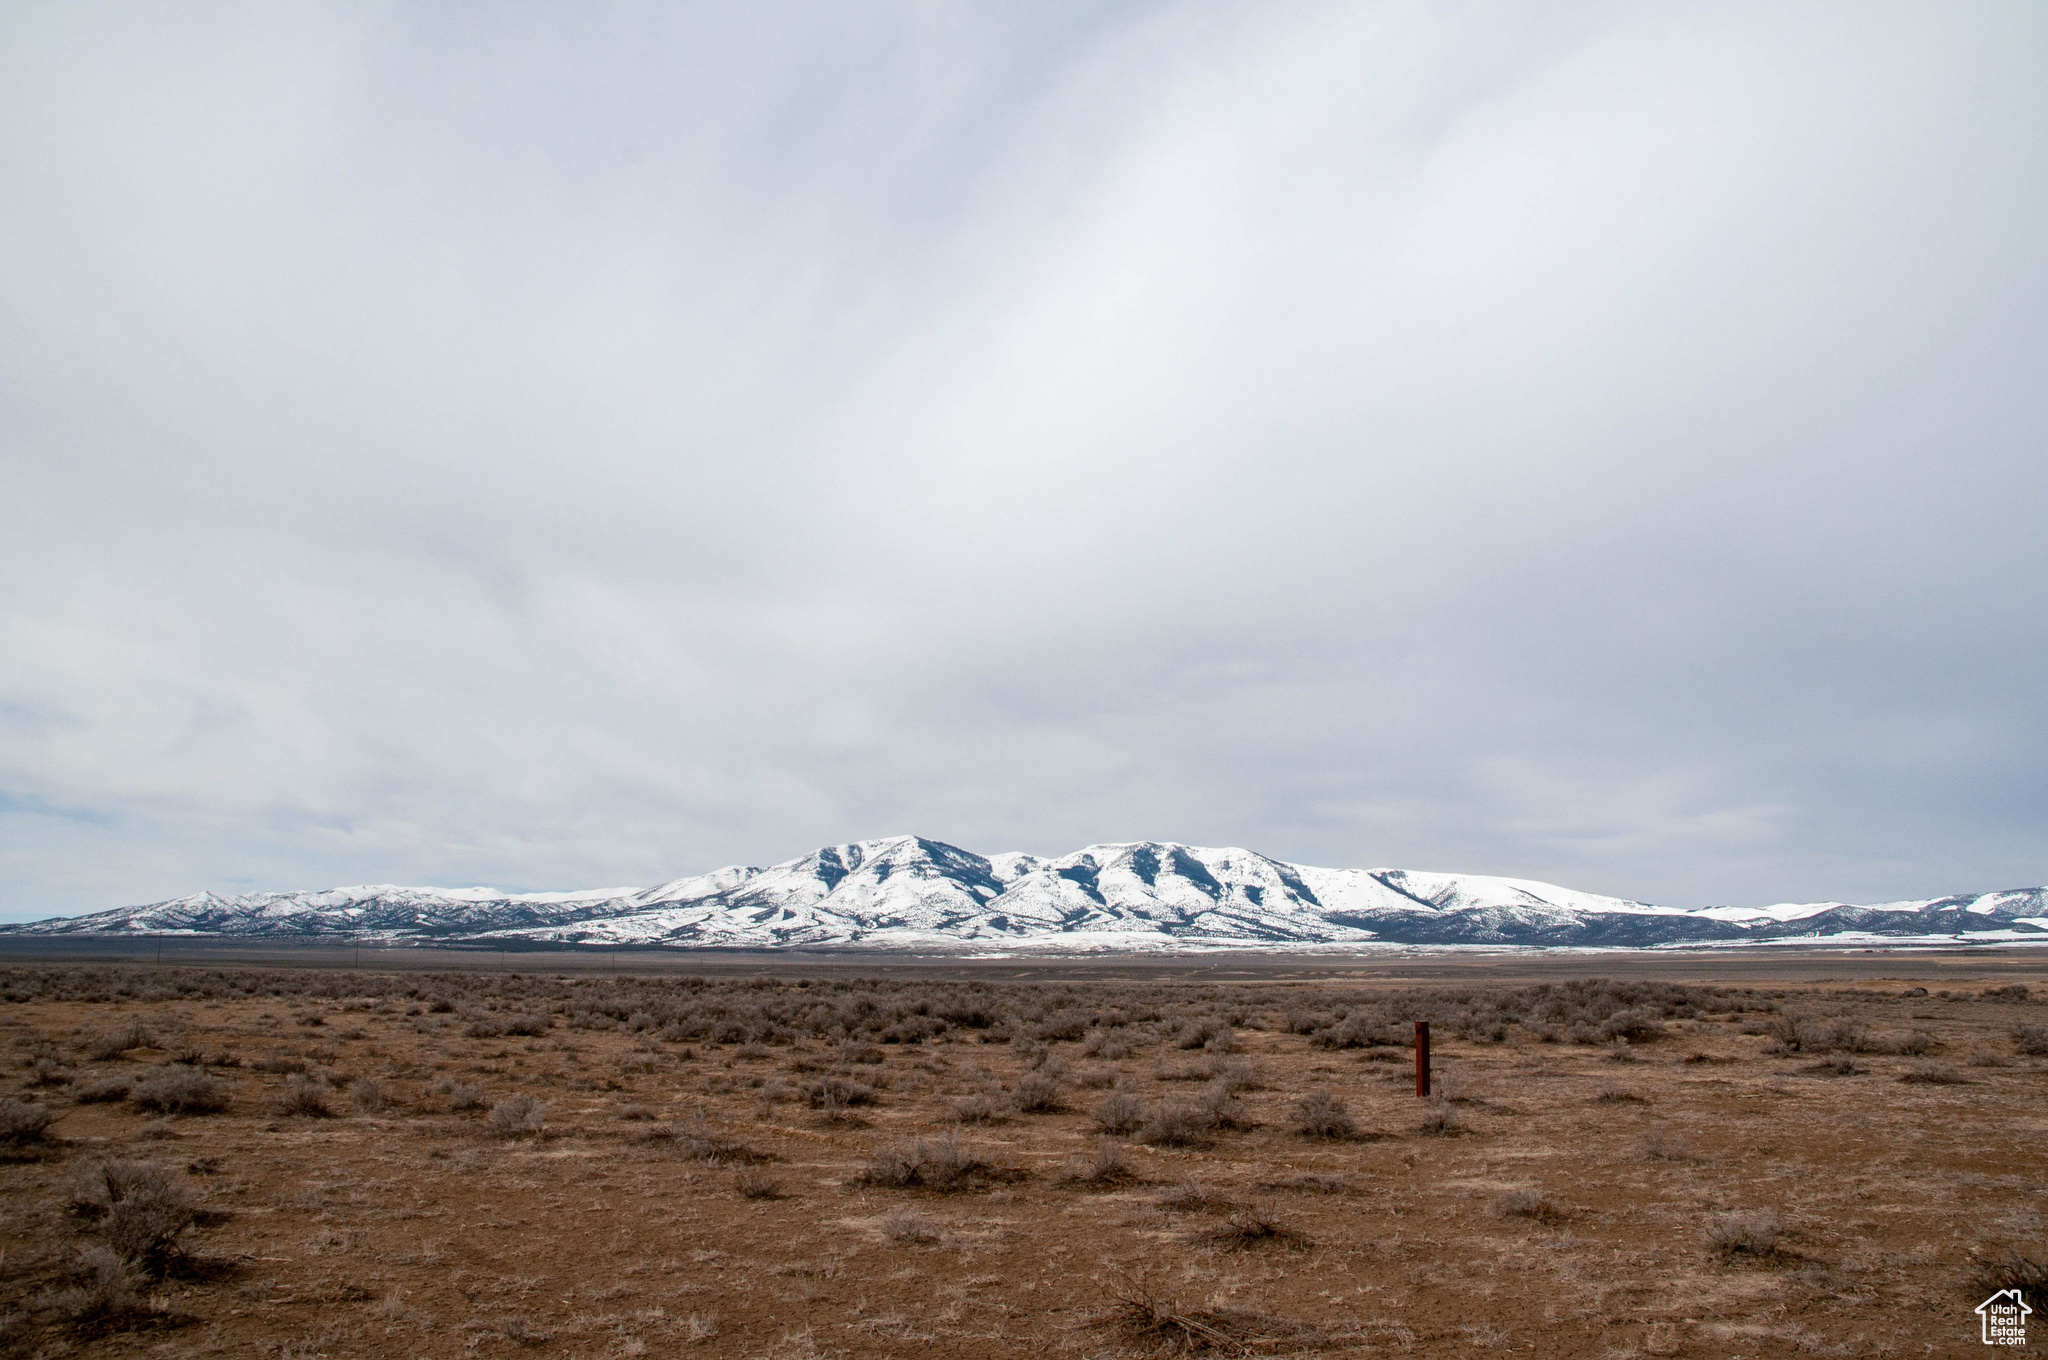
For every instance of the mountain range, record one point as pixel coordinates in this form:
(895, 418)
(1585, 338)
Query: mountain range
(906, 892)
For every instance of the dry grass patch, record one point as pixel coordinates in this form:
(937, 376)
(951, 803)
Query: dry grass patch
(1312, 1183)
(1142, 1318)
(1530, 1204)
(1250, 1227)
(1757, 1235)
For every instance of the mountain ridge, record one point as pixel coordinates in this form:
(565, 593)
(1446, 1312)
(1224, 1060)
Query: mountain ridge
(911, 892)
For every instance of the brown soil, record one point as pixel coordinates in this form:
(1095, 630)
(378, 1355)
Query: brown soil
(1729, 1184)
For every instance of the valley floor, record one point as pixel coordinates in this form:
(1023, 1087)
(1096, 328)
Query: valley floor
(805, 1166)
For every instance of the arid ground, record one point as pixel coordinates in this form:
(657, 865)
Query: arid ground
(317, 1162)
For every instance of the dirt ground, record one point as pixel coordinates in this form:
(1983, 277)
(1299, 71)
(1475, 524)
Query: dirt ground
(1748, 1170)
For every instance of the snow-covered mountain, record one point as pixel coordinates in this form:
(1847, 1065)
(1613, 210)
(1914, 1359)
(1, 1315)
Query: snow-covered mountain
(907, 892)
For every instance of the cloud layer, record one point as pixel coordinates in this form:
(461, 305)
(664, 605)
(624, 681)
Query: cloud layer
(558, 447)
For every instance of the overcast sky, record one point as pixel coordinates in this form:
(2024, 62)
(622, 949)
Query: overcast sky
(580, 445)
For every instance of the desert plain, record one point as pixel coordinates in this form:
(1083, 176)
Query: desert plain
(992, 1161)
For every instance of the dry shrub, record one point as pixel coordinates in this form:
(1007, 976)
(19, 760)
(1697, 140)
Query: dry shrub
(1321, 1114)
(939, 1164)
(1107, 1045)
(180, 1090)
(1530, 1204)
(1441, 1121)
(830, 1093)
(517, 1114)
(1119, 1112)
(982, 1108)
(368, 1095)
(275, 1063)
(908, 1228)
(2031, 1040)
(1193, 1197)
(22, 1123)
(46, 1071)
(1106, 1169)
(1661, 1145)
(1139, 1316)
(1224, 1110)
(1844, 1066)
(1935, 1074)
(1311, 1183)
(304, 1095)
(755, 1184)
(1759, 1235)
(107, 1291)
(1913, 1043)
(463, 1095)
(140, 1211)
(103, 1090)
(1175, 1123)
(107, 1045)
(701, 1142)
(1036, 1093)
(1612, 1096)
(2010, 1267)
(1249, 1228)
(1234, 1074)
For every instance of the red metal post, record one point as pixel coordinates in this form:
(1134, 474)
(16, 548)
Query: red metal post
(1422, 1057)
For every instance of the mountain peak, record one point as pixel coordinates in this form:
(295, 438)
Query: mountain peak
(915, 893)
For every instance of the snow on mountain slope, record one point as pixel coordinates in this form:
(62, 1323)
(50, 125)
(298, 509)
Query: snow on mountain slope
(915, 893)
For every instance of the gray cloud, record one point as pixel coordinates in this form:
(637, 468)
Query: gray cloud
(554, 447)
